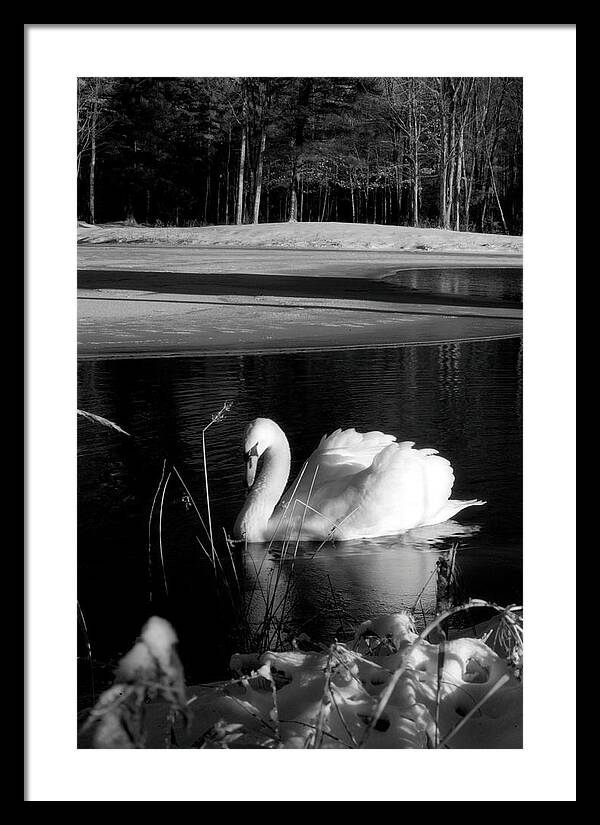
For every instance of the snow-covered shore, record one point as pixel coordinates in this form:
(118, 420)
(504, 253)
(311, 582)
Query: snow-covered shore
(388, 688)
(277, 287)
(343, 236)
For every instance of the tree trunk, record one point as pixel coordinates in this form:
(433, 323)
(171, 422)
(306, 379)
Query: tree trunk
(415, 134)
(240, 193)
(297, 142)
(495, 190)
(227, 177)
(259, 173)
(293, 196)
(459, 173)
(399, 178)
(250, 180)
(384, 199)
(129, 211)
(443, 157)
(375, 204)
(219, 179)
(239, 211)
(206, 194)
(451, 168)
(416, 188)
(469, 193)
(488, 155)
(268, 192)
(93, 125)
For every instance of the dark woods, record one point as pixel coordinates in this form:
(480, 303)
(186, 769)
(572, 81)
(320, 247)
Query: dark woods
(443, 151)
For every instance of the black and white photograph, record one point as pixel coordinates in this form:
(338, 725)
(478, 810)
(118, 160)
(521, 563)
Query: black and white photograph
(299, 375)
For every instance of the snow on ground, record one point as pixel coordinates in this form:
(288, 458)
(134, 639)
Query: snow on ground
(344, 236)
(167, 297)
(403, 693)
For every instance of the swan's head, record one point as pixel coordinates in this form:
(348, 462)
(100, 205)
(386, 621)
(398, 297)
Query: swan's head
(259, 435)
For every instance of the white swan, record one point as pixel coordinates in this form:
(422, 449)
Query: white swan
(354, 485)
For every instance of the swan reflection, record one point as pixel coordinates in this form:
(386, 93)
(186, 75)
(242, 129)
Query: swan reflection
(357, 578)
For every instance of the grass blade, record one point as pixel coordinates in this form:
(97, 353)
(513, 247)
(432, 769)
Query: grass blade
(501, 681)
(104, 421)
(160, 544)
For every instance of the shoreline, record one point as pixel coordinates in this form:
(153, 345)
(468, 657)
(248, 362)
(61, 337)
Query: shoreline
(136, 301)
(149, 354)
(305, 235)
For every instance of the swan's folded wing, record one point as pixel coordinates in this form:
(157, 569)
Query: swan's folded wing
(340, 455)
(403, 488)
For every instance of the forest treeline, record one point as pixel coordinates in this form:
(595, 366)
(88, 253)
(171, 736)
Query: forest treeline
(439, 151)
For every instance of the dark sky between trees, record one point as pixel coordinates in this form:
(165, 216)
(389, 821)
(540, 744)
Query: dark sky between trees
(432, 152)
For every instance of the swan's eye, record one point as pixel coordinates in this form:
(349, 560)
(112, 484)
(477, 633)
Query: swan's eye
(251, 452)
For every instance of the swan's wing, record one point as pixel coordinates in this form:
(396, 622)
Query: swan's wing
(371, 486)
(403, 488)
(339, 456)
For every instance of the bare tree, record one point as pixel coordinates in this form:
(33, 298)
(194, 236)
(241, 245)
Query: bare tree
(305, 87)
(239, 210)
(94, 118)
(261, 102)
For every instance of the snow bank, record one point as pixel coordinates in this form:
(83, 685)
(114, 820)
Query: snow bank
(344, 236)
(457, 694)
(333, 695)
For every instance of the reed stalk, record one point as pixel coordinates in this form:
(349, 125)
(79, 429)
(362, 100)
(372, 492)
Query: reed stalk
(496, 686)
(88, 645)
(105, 422)
(160, 544)
(162, 475)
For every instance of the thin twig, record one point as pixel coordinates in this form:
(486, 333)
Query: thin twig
(162, 475)
(497, 685)
(268, 549)
(336, 525)
(191, 498)
(438, 691)
(341, 718)
(237, 581)
(255, 715)
(313, 727)
(210, 533)
(162, 560)
(431, 575)
(291, 573)
(89, 649)
(215, 419)
(317, 739)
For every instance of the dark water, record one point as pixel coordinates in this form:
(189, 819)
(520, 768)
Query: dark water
(463, 399)
(503, 287)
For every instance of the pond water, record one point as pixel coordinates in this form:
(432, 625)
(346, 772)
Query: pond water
(462, 398)
(465, 286)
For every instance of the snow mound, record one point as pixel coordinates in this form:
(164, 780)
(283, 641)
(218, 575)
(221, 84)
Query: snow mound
(314, 236)
(389, 689)
(329, 699)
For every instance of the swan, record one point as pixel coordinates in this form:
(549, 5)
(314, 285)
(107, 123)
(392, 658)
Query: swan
(353, 486)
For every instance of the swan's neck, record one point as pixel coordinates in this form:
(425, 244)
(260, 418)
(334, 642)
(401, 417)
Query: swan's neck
(252, 522)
